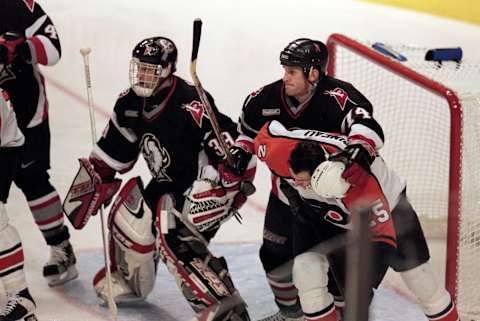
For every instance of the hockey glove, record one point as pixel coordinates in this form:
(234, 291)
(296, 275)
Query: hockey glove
(358, 161)
(209, 203)
(88, 193)
(12, 45)
(240, 158)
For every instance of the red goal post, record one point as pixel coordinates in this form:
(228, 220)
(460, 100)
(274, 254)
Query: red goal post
(430, 113)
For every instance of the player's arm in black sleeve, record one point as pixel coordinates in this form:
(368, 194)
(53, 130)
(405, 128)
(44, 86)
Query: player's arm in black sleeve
(118, 146)
(359, 124)
(41, 37)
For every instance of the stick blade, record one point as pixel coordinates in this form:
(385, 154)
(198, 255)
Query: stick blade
(197, 33)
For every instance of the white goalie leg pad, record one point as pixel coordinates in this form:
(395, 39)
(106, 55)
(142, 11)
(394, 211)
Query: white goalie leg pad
(131, 223)
(13, 277)
(121, 290)
(310, 276)
(422, 282)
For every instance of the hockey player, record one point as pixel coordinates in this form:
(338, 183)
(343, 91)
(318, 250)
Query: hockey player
(20, 305)
(29, 38)
(306, 97)
(312, 162)
(174, 217)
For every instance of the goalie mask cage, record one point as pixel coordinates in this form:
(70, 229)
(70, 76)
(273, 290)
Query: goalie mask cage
(430, 113)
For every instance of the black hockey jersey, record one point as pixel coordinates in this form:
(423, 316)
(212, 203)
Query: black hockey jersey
(169, 129)
(22, 80)
(336, 106)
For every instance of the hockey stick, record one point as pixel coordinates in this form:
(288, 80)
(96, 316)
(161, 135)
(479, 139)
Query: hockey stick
(246, 187)
(108, 273)
(197, 33)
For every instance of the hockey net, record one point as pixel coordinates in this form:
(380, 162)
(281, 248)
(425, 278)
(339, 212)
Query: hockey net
(430, 113)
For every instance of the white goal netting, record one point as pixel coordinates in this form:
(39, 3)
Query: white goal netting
(430, 114)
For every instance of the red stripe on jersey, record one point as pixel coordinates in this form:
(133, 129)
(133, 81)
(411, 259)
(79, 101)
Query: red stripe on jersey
(30, 4)
(11, 260)
(39, 50)
(51, 219)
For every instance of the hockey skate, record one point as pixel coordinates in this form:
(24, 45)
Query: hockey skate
(61, 266)
(20, 307)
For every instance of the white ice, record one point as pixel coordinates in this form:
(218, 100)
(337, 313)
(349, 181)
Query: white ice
(239, 52)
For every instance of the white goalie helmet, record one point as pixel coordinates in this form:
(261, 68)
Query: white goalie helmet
(327, 180)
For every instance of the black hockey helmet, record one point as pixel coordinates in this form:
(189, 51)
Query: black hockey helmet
(153, 60)
(305, 53)
(157, 51)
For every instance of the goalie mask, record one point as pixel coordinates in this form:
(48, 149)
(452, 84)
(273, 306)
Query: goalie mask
(153, 60)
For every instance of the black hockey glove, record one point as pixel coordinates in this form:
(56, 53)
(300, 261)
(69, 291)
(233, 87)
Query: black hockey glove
(13, 45)
(358, 161)
(240, 158)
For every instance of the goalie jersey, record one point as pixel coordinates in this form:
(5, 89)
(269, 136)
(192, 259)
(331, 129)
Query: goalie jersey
(274, 144)
(170, 129)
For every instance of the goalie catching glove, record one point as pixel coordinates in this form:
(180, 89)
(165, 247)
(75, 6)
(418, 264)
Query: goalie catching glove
(88, 193)
(208, 203)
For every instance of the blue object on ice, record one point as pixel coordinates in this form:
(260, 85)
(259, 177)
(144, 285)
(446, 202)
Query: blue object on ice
(444, 54)
(388, 51)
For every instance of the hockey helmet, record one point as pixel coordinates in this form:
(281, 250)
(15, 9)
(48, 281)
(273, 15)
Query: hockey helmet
(153, 60)
(307, 54)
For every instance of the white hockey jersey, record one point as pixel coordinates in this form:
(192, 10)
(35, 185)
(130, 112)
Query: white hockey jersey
(10, 134)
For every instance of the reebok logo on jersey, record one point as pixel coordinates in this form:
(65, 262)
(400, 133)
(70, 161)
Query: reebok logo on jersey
(271, 112)
(340, 96)
(196, 110)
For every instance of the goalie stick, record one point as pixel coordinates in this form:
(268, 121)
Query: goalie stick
(247, 187)
(197, 33)
(108, 273)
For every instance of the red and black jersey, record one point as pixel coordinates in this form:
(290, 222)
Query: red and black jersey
(170, 130)
(274, 144)
(336, 106)
(21, 79)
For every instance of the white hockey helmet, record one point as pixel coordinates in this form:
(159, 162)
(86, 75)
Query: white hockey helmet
(327, 180)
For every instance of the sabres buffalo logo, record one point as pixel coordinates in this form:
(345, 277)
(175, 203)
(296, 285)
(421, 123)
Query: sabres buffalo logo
(156, 156)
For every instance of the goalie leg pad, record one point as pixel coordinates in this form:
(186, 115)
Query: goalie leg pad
(203, 279)
(12, 260)
(132, 241)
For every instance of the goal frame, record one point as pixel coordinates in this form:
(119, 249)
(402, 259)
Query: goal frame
(454, 187)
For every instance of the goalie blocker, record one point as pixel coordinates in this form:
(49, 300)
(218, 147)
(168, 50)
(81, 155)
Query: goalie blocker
(87, 194)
